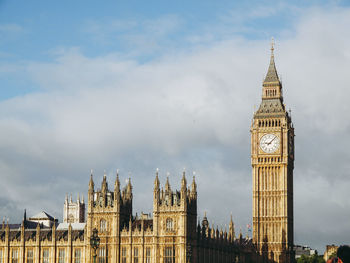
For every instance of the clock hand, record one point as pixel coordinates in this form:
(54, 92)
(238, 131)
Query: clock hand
(272, 140)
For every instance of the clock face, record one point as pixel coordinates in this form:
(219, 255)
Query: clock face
(269, 143)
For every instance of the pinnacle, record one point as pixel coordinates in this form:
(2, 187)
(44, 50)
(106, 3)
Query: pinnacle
(272, 75)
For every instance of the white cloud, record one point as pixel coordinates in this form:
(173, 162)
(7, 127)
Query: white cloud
(189, 109)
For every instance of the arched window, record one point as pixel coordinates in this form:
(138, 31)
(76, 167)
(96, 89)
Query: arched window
(169, 224)
(103, 225)
(102, 254)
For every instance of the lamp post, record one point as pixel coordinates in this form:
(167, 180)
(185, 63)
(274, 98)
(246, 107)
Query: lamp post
(94, 243)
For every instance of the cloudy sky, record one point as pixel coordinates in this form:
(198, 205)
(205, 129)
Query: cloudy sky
(172, 85)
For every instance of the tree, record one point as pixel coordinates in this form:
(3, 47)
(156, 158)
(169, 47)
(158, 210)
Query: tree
(310, 259)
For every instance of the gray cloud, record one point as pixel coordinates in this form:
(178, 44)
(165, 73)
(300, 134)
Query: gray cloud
(190, 109)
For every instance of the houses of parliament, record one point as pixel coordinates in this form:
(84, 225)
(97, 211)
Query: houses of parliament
(103, 228)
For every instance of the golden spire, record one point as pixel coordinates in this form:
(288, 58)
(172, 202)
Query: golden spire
(272, 75)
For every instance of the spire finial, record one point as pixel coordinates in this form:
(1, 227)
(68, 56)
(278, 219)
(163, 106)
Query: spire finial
(272, 45)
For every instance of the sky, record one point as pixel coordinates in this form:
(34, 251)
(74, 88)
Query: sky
(136, 86)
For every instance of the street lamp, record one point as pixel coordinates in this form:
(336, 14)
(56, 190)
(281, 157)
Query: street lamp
(94, 243)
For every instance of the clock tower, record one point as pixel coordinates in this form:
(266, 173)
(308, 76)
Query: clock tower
(272, 158)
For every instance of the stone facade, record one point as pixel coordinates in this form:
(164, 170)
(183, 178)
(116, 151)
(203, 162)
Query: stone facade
(74, 212)
(170, 235)
(330, 249)
(272, 158)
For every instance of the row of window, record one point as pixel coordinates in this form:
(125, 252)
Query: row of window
(136, 255)
(14, 256)
(169, 255)
(271, 92)
(270, 123)
(169, 225)
(269, 160)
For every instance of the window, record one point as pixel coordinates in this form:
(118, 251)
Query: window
(148, 255)
(77, 255)
(169, 255)
(61, 255)
(102, 255)
(1, 256)
(30, 256)
(124, 255)
(14, 256)
(169, 224)
(46, 255)
(136, 255)
(103, 225)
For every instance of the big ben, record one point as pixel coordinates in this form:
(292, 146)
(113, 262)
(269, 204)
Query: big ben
(272, 158)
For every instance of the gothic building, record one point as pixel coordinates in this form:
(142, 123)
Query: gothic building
(74, 212)
(170, 235)
(111, 233)
(272, 158)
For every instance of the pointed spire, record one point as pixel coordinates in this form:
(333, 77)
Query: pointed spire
(212, 232)
(82, 199)
(205, 222)
(167, 185)
(91, 183)
(66, 199)
(78, 198)
(231, 229)
(129, 188)
(71, 199)
(25, 216)
(117, 183)
(183, 181)
(156, 181)
(104, 186)
(272, 75)
(194, 185)
(231, 221)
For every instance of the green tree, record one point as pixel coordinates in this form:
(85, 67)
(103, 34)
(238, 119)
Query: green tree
(310, 259)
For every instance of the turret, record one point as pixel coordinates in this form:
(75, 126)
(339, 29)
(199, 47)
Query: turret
(156, 190)
(104, 185)
(205, 222)
(156, 182)
(167, 185)
(117, 184)
(183, 183)
(231, 230)
(129, 190)
(194, 188)
(91, 185)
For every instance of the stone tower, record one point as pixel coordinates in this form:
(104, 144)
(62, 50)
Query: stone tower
(108, 212)
(272, 158)
(175, 221)
(74, 212)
